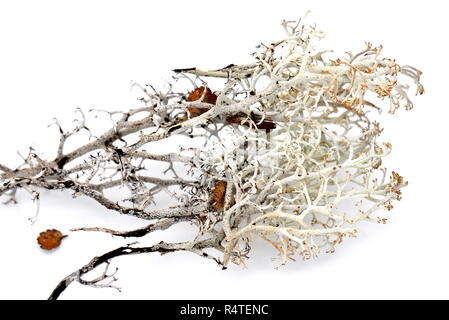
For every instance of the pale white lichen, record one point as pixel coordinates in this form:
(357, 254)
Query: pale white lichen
(291, 153)
(291, 185)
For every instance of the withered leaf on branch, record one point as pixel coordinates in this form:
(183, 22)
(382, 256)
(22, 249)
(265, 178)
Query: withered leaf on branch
(209, 96)
(218, 194)
(50, 239)
(240, 119)
(197, 94)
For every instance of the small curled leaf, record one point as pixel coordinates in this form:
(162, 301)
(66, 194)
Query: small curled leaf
(50, 239)
(198, 93)
(218, 195)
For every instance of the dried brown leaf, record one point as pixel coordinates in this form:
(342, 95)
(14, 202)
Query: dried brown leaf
(218, 194)
(209, 96)
(50, 239)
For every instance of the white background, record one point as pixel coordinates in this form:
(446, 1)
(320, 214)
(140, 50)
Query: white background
(59, 55)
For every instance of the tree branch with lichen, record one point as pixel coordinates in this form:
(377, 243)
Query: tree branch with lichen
(287, 143)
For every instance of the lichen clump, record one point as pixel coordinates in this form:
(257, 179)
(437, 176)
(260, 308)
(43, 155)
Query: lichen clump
(291, 153)
(306, 185)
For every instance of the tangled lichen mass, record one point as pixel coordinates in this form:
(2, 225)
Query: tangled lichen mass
(291, 153)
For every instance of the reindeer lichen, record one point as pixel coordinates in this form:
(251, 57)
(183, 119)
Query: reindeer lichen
(290, 153)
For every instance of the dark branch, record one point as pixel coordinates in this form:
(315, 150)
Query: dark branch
(161, 247)
(160, 225)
